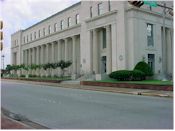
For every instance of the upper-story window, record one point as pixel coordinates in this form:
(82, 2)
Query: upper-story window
(62, 24)
(69, 22)
(91, 11)
(44, 32)
(55, 27)
(77, 19)
(31, 37)
(100, 9)
(49, 29)
(34, 35)
(24, 39)
(39, 33)
(109, 5)
(150, 40)
(27, 38)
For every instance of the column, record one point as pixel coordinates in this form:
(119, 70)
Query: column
(74, 54)
(33, 55)
(169, 53)
(29, 56)
(59, 50)
(109, 50)
(66, 49)
(95, 52)
(114, 46)
(53, 52)
(47, 53)
(37, 55)
(42, 55)
(91, 51)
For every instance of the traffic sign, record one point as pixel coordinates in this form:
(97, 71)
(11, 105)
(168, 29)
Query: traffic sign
(150, 3)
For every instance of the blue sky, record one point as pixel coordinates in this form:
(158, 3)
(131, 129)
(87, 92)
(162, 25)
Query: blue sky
(20, 14)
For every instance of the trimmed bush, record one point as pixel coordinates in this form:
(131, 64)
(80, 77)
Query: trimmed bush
(137, 75)
(144, 67)
(121, 75)
(126, 75)
(22, 75)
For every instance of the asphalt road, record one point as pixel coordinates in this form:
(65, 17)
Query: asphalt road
(63, 108)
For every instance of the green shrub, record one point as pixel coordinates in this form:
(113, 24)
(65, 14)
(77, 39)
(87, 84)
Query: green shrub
(137, 75)
(121, 75)
(144, 67)
(22, 75)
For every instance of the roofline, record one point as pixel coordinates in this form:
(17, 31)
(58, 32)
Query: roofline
(53, 15)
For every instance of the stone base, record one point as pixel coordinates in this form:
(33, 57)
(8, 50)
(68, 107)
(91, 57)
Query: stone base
(101, 76)
(74, 76)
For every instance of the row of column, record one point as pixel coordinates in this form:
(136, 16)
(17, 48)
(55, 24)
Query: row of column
(54, 52)
(96, 51)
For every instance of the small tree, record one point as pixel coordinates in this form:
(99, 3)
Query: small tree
(63, 65)
(9, 68)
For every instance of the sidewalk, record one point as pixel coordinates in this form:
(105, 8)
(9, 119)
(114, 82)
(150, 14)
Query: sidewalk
(75, 85)
(8, 123)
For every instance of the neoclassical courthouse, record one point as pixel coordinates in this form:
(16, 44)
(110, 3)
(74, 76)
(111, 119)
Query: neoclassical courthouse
(99, 37)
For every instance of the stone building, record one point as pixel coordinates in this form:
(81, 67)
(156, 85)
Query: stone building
(99, 37)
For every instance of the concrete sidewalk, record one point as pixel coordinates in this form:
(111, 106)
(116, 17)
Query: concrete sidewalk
(8, 123)
(76, 85)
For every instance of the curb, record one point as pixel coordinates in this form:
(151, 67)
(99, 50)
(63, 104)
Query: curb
(142, 92)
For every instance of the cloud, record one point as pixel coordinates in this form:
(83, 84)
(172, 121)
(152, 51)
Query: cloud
(21, 14)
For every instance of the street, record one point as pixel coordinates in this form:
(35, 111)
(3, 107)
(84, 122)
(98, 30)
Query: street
(63, 108)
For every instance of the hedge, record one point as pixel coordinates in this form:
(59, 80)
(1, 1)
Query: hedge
(126, 75)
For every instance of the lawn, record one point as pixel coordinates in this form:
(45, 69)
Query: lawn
(154, 82)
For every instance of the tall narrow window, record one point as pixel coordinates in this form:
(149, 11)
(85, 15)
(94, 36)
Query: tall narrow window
(151, 61)
(109, 5)
(150, 40)
(99, 8)
(27, 38)
(34, 35)
(62, 25)
(55, 27)
(24, 39)
(31, 37)
(77, 19)
(39, 33)
(49, 29)
(44, 33)
(69, 22)
(91, 11)
(104, 38)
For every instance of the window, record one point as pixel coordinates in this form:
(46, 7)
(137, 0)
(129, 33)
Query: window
(109, 5)
(77, 19)
(49, 29)
(104, 38)
(27, 38)
(100, 9)
(91, 11)
(62, 24)
(44, 33)
(31, 37)
(69, 21)
(151, 61)
(150, 40)
(39, 33)
(34, 35)
(24, 39)
(55, 27)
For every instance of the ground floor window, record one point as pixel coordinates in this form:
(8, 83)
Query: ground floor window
(151, 61)
(103, 64)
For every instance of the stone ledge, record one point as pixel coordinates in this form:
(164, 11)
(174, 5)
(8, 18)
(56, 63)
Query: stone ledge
(36, 80)
(129, 85)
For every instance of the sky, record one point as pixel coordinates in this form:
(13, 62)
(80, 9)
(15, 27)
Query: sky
(21, 14)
